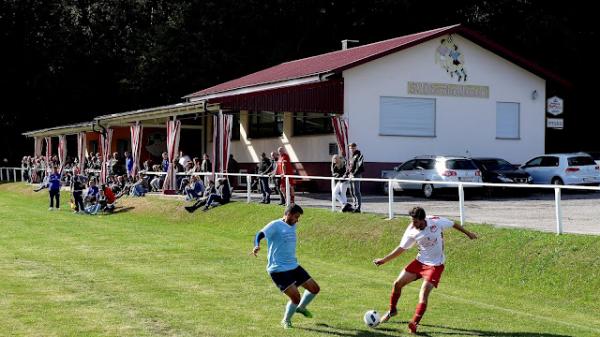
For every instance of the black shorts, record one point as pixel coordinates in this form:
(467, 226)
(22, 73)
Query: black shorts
(285, 279)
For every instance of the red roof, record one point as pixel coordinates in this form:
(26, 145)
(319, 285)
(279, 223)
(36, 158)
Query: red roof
(343, 59)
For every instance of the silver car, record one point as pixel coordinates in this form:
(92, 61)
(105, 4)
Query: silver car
(564, 168)
(434, 168)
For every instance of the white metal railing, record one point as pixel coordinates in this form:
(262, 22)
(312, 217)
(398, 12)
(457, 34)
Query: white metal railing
(5, 176)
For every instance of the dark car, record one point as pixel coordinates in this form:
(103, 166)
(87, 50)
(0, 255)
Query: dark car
(496, 170)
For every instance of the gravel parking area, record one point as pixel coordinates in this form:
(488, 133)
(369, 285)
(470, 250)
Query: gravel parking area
(534, 210)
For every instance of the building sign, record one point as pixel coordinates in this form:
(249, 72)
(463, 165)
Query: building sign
(555, 123)
(554, 106)
(451, 59)
(444, 89)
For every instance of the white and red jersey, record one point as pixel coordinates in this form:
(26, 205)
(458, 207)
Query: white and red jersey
(430, 240)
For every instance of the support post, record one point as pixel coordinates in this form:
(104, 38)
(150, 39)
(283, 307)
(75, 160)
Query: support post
(558, 211)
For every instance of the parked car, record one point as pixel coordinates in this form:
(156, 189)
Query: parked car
(595, 155)
(434, 168)
(497, 170)
(564, 168)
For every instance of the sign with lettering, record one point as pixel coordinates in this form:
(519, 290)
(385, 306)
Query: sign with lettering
(554, 105)
(555, 123)
(444, 89)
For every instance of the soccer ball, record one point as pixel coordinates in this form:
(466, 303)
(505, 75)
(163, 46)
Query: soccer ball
(371, 318)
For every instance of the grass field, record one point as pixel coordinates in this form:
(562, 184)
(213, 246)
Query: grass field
(154, 270)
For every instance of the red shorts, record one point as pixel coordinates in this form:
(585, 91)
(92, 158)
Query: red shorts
(432, 274)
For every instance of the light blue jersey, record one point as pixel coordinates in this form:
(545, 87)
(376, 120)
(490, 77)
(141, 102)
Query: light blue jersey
(281, 240)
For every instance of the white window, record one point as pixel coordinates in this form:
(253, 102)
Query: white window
(507, 120)
(404, 116)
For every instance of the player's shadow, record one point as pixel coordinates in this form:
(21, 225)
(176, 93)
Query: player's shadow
(451, 331)
(122, 209)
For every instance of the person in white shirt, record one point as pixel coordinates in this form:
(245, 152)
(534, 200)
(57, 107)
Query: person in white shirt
(426, 233)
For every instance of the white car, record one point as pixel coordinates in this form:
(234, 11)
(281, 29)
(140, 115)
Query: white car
(434, 168)
(564, 168)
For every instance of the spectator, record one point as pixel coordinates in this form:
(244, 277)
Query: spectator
(140, 187)
(77, 188)
(156, 182)
(107, 199)
(165, 162)
(54, 188)
(338, 170)
(355, 170)
(222, 196)
(194, 189)
(92, 191)
(284, 167)
(129, 164)
(276, 178)
(206, 167)
(232, 165)
(265, 168)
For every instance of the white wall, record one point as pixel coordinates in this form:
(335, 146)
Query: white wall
(462, 124)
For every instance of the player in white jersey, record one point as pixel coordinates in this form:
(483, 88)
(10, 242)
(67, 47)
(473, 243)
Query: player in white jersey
(426, 233)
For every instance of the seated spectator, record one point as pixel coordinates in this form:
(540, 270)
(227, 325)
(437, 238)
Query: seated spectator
(194, 188)
(157, 180)
(222, 196)
(107, 199)
(92, 191)
(208, 191)
(92, 205)
(140, 187)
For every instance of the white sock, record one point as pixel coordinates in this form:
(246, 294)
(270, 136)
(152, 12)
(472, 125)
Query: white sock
(290, 309)
(307, 297)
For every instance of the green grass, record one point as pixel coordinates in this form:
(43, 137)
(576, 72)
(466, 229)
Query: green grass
(155, 270)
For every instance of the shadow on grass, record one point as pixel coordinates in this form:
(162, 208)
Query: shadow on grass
(122, 210)
(402, 329)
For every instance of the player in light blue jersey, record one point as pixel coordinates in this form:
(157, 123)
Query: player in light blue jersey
(283, 266)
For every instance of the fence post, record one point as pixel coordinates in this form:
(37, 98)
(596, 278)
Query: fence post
(558, 210)
(1, 173)
(248, 188)
(15, 175)
(390, 200)
(22, 174)
(461, 203)
(287, 191)
(332, 194)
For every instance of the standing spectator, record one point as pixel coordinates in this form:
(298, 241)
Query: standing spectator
(338, 170)
(165, 162)
(284, 167)
(54, 188)
(355, 170)
(265, 168)
(129, 164)
(77, 189)
(276, 178)
(232, 165)
(206, 167)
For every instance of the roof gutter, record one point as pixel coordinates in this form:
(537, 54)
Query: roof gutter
(263, 87)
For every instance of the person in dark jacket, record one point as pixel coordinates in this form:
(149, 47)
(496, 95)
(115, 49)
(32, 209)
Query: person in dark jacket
(54, 188)
(338, 170)
(222, 195)
(78, 187)
(355, 170)
(265, 168)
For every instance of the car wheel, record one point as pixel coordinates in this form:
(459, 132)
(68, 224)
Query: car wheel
(557, 181)
(428, 190)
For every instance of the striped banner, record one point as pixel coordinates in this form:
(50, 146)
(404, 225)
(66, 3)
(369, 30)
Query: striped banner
(222, 127)
(173, 130)
(105, 142)
(37, 152)
(340, 126)
(136, 149)
(62, 152)
(48, 153)
(226, 122)
(81, 151)
(215, 146)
